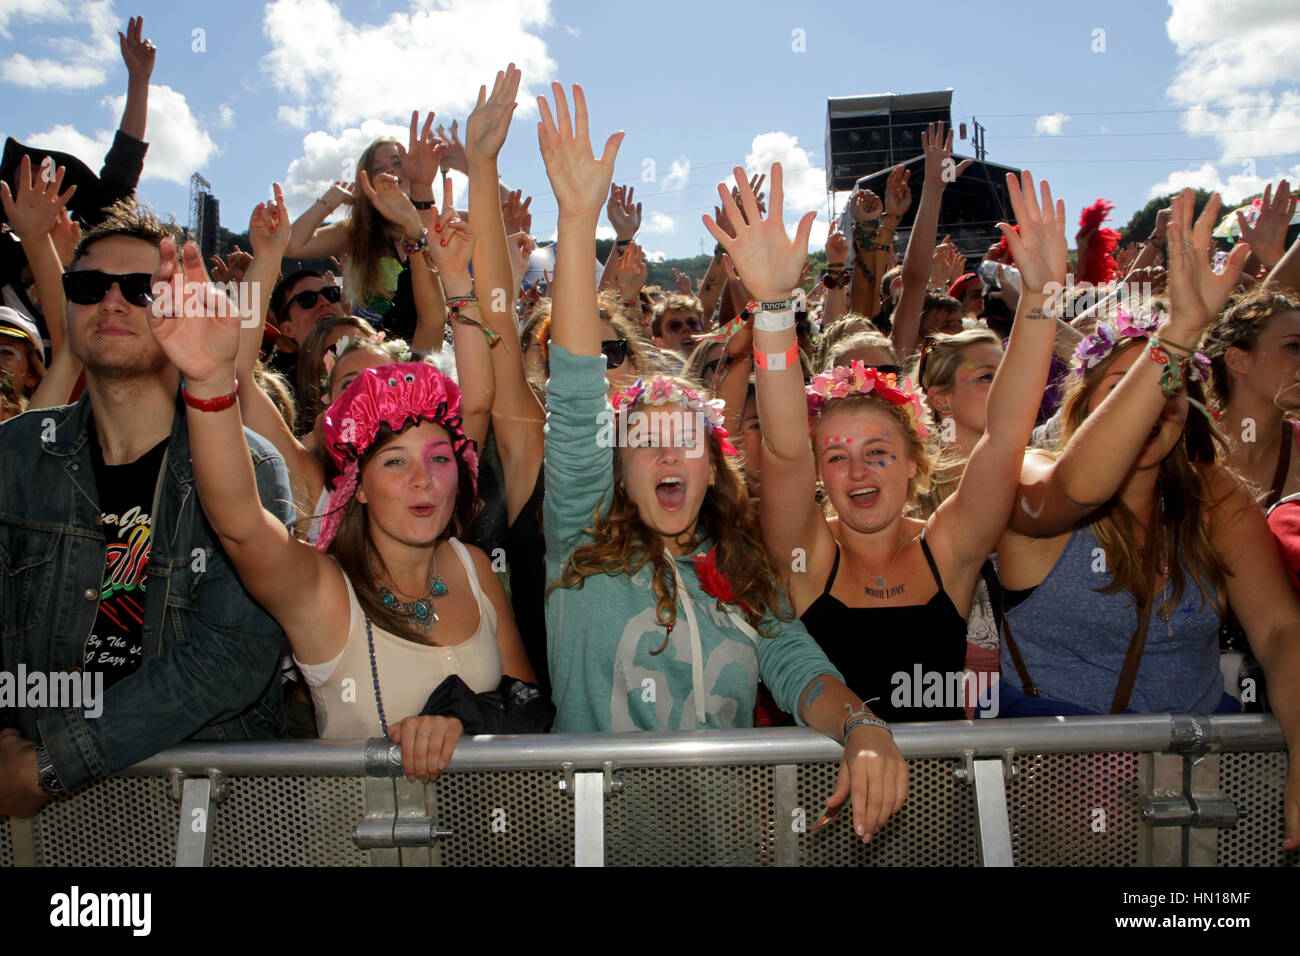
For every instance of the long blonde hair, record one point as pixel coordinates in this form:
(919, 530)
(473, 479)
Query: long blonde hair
(368, 239)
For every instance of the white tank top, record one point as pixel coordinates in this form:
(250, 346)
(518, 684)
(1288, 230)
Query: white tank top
(343, 690)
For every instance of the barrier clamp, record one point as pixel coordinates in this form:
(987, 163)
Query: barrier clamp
(612, 784)
(386, 833)
(220, 785)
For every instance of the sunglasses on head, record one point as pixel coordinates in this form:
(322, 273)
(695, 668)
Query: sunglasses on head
(616, 352)
(925, 356)
(675, 326)
(89, 287)
(307, 300)
(888, 369)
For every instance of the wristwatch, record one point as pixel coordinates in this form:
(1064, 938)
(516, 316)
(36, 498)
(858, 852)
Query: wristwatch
(46, 774)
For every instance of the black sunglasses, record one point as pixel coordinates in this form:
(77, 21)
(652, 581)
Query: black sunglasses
(673, 326)
(616, 352)
(89, 287)
(307, 300)
(925, 357)
(889, 369)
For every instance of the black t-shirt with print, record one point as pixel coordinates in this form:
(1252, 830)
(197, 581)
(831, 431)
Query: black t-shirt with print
(126, 494)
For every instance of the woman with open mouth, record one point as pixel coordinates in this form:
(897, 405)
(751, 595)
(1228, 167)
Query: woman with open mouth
(663, 609)
(884, 593)
(388, 603)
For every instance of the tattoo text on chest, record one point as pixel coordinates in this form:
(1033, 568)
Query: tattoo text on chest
(882, 593)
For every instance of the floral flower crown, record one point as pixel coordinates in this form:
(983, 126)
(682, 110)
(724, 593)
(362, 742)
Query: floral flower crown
(398, 348)
(664, 391)
(1094, 350)
(859, 379)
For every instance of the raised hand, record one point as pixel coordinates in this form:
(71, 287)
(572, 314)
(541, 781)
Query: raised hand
(269, 227)
(340, 194)
(198, 333)
(487, 126)
(1190, 245)
(391, 203)
(515, 213)
(1040, 250)
(454, 150)
(623, 216)
(136, 53)
(233, 269)
(1268, 234)
(66, 235)
(939, 165)
(632, 272)
(579, 180)
(837, 246)
(767, 260)
(898, 194)
(864, 205)
(34, 212)
(521, 246)
(423, 154)
(451, 251)
(682, 283)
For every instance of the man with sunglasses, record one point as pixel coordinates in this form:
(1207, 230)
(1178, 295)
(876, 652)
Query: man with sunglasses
(678, 319)
(300, 300)
(108, 569)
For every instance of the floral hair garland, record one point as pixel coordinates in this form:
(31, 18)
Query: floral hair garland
(664, 391)
(399, 349)
(1094, 350)
(859, 379)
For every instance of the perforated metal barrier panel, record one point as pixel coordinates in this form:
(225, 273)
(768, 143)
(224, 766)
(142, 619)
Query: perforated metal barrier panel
(692, 816)
(1063, 809)
(1254, 783)
(507, 818)
(935, 827)
(122, 821)
(1075, 810)
(288, 821)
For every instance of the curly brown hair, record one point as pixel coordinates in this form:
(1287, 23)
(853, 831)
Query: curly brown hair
(622, 544)
(1239, 325)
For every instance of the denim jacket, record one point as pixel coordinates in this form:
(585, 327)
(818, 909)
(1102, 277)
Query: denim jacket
(210, 652)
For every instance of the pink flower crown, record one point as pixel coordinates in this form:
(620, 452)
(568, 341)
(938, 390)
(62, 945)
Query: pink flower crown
(664, 391)
(1094, 350)
(859, 379)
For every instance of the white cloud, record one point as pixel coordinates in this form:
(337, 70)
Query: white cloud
(79, 62)
(177, 145)
(679, 173)
(1230, 78)
(1050, 123)
(803, 183)
(1207, 176)
(295, 117)
(658, 223)
(225, 116)
(657, 255)
(433, 57)
(573, 31)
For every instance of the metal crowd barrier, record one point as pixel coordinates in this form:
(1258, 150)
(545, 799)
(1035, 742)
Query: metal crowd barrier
(1150, 790)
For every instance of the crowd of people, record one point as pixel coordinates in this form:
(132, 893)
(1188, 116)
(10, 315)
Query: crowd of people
(476, 484)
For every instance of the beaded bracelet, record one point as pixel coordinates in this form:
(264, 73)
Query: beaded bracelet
(866, 722)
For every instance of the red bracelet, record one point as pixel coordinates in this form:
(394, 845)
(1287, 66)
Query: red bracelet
(776, 362)
(218, 404)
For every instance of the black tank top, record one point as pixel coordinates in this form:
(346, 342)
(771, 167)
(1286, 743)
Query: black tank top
(895, 653)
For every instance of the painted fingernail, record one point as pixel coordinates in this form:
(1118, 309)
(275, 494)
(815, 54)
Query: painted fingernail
(437, 227)
(442, 242)
(861, 829)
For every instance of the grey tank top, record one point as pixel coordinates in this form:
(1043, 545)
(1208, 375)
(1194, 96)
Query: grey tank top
(1073, 640)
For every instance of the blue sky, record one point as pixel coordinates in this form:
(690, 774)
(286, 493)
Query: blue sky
(1117, 99)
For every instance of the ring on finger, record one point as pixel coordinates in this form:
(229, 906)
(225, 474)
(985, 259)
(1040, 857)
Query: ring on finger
(1187, 244)
(421, 733)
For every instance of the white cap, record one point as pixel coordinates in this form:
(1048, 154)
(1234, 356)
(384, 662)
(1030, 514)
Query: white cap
(16, 325)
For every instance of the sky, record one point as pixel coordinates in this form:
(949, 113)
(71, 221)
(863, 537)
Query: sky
(1123, 100)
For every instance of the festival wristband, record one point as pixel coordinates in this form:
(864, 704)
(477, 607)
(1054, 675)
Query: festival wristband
(218, 404)
(776, 361)
(412, 246)
(723, 333)
(772, 316)
(857, 722)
